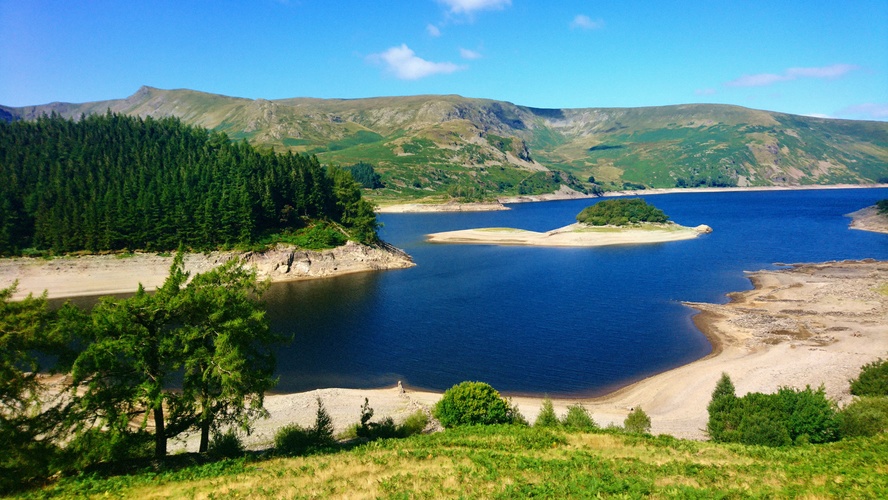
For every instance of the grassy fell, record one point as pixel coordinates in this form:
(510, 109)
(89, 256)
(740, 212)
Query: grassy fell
(514, 461)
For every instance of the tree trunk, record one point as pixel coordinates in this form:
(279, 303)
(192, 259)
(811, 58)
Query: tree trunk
(204, 435)
(160, 440)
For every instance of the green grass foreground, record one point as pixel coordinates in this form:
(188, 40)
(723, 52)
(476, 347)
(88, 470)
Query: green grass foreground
(517, 462)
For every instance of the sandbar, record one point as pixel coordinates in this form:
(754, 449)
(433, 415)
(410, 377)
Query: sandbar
(810, 324)
(574, 235)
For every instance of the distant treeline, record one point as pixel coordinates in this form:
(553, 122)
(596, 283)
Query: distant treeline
(112, 182)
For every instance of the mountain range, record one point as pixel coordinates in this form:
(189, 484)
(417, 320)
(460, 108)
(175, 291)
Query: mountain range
(440, 145)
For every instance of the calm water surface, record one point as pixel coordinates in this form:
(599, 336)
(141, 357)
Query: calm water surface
(561, 321)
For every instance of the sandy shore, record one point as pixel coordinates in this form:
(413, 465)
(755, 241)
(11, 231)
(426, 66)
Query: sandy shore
(565, 193)
(810, 324)
(574, 235)
(869, 219)
(114, 274)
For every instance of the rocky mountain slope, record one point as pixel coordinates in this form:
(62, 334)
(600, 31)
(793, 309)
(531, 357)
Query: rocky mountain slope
(476, 148)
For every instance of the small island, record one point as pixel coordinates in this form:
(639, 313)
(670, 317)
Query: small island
(610, 222)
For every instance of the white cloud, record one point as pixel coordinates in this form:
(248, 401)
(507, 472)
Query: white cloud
(831, 72)
(470, 6)
(828, 72)
(584, 22)
(406, 65)
(433, 30)
(469, 54)
(869, 110)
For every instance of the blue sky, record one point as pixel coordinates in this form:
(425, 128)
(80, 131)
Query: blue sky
(825, 58)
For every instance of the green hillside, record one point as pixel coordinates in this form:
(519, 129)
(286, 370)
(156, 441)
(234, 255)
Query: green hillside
(451, 145)
(518, 462)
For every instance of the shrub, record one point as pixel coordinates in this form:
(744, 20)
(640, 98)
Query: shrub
(292, 439)
(866, 416)
(414, 424)
(547, 417)
(474, 403)
(808, 414)
(577, 418)
(873, 379)
(226, 445)
(637, 422)
(95, 446)
(763, 430)
(323, 428)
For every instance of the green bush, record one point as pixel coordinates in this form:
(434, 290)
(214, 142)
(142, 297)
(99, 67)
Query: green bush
(873, 379)
(621, 212)
(637, 422)
(474, 403)
(722, 425)
(763, 430)
(414, 424)
(577, 418)
(226, 445)
(866, 416)
(293, 439)
(547, 417)
(95, 446)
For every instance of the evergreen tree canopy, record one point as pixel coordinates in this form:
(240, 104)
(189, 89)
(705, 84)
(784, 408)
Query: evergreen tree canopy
(113, 182)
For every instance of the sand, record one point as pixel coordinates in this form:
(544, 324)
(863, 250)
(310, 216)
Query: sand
(565, 193)
(574, 235)
(869, 219)
(115, 274)
(810, 324)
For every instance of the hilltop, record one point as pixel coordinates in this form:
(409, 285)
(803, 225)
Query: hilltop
(469, 148)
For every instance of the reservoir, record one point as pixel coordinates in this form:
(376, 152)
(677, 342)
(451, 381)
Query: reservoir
(557, 321)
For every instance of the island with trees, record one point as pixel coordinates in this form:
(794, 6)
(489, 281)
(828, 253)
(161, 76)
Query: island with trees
(624, 221)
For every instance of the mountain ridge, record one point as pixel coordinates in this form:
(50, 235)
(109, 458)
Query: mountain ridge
(465, 147)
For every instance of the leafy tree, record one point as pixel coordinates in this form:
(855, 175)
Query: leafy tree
(126, 367)
(578, 418)
(225, 341)
(621, 212)
(866, 416)
(872, 380)
(211, 331)
(637, 421)
(473, 403)
(547, 417)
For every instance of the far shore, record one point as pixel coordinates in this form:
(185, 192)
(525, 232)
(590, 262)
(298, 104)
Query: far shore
(570, 194)
(574, 235)
(809, 325)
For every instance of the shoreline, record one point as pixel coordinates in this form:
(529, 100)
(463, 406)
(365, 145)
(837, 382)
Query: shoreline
(810, 324)
(569, 194)
(573, 235)
(869, 219)
(93, 275)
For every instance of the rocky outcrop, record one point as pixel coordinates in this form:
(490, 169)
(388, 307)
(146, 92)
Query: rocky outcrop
(283, 263)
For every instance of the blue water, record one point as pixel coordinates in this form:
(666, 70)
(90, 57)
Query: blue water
(561, 321)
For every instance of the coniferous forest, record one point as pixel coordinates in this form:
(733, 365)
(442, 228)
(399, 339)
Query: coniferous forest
(115, 182)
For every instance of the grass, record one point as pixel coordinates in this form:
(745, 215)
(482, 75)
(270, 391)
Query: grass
(512, 461)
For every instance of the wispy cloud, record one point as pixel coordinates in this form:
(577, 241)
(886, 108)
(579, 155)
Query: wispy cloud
(433, 30)
(869, 110)
(584, 22)
(824, 72)
(471, 6)
(406, 65)
(469, 54)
